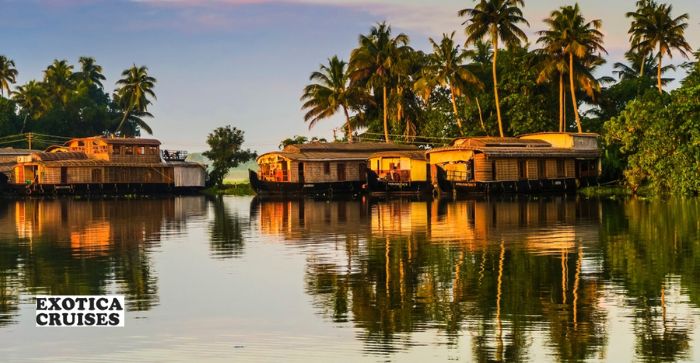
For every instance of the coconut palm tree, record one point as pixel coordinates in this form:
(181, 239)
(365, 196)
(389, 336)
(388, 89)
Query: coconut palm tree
(8, 74)
(446, 67)
(497, 19)
(654, 28)
(638, 66)
(581, 42)
(374, 60)
(553, 62)
(58, 80)
(330, 92)
(644, 10)
(32, 99)
(133, 92)
(90, 72)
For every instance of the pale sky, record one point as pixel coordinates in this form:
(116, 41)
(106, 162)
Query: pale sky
(245, 62)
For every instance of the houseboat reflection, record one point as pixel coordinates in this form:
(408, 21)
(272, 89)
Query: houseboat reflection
(76, 247)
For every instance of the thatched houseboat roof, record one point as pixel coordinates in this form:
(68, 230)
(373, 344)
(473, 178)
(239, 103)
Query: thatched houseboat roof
(68, 155)
(524, 146)
(346, 147)
(411, 154)
(498, 142)
(118, 140)
(317, 151)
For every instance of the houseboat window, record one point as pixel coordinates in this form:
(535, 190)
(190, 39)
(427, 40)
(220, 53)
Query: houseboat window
(140, 150)
(341, 172)
(152, 150)
(128, 150)
(522, 169)
(327, 168)
(97, 175)
(493, 170)
(542, 169)
(116, 149)
(560, 168)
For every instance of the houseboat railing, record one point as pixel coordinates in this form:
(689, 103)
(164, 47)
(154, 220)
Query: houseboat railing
(458, 175)
(275, 176)
(174, 155)
(394, 175)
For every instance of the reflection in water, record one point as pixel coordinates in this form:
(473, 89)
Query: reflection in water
(226, 231)
(79, 247)
(555, 277)
(503, 272)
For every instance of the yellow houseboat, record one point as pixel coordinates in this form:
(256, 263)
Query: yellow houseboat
(398, 172)
(529, 163)
(105, 164)
(317, 168)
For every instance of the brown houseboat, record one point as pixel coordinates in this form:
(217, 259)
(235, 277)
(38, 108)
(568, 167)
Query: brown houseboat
(536, 162)
(317, 168)
(105, 164)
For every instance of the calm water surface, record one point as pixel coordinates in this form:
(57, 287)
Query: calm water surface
(240, 279)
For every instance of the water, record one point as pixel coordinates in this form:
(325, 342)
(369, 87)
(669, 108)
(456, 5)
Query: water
(239, 279)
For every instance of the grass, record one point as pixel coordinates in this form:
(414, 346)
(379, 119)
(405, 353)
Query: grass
(239, 188)
(614, 191)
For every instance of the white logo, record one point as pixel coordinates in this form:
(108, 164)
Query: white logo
(80, 311)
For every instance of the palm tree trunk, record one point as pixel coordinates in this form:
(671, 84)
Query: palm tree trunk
(641, 67)
(347, 121)
(494, 38)
(658, 74)
(126, 116)
(561, 101)
(563, 98)
(386, 125)
(481, 117)
(573, 92)
(454, 109)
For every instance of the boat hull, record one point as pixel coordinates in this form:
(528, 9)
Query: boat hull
(95, 189)
(262, 187)
(561, 185)
(380, 187)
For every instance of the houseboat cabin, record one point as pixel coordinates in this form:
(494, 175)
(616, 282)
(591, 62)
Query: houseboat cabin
(398, 172)
(317, 168)
(98, 164)
(534, 162)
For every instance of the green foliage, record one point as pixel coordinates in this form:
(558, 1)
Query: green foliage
(299, 140)
(659, 136)
(8, 74)
(330, 92)
(71, 101)
(225, 152)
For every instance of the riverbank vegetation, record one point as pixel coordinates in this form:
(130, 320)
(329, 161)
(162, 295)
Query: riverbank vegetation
(500, 83)
(71, 101)
(229, 188)
(225, 152)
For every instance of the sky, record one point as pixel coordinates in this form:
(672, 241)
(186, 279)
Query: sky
(244, 62)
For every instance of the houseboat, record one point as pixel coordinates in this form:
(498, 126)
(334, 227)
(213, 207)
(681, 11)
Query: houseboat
(530, 163)
(317, 168)
(105, 165)
(398, 172)
(8, 159)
